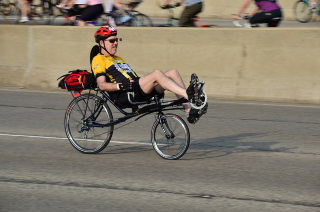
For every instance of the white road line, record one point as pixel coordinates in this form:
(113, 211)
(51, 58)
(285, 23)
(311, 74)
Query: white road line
(266, 104)
(59, 138)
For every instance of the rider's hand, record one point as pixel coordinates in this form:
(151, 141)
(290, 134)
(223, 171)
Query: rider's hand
(125, 86)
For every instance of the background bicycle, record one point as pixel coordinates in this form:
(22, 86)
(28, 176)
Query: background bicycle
(10, 11)
(303, 10)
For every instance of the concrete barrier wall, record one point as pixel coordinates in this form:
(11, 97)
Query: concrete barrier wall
(253, 64)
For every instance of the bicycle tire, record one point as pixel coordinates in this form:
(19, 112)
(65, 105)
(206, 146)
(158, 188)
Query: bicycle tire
(170, 148)
(302, 12)
(143, 20)
(83, 136)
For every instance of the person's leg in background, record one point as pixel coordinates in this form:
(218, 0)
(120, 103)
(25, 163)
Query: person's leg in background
(189, 12)
(24, 11)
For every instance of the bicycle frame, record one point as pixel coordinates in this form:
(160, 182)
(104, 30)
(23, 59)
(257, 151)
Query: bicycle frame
(148, 109)
(89, 121)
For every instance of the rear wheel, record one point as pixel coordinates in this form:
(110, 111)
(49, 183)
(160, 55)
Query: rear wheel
(83, 117)
(302, 12)
(170, 136)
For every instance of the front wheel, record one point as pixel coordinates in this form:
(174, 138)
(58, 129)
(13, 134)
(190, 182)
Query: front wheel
(170, 136)
(84, 121)
(301, 11)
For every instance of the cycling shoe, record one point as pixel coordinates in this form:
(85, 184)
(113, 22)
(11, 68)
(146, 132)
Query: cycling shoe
(196, 95)
(195, 114)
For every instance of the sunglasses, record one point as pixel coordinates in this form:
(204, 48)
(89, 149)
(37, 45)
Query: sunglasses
(114, 40)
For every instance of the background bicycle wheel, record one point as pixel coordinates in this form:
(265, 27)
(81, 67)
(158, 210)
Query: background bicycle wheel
(302, 12)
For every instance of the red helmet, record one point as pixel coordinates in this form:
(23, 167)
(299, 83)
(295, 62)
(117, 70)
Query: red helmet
(104, 32)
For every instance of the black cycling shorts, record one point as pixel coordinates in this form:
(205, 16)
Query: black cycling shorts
(121, 97)
(272, 18)
(92, 12)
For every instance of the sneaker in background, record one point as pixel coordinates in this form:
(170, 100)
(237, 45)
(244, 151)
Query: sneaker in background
(24, 19)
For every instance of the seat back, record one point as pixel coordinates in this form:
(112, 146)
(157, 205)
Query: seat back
(94, 51)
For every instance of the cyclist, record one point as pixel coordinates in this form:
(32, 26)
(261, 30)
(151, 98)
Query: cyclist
(193, 7)
(267, 11)
(116, 77)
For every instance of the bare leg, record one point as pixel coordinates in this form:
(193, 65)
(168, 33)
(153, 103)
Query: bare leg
(24, 10)
(170, 80)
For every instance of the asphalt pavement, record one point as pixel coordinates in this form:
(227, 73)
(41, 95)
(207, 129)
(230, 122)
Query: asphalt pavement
(244, 156)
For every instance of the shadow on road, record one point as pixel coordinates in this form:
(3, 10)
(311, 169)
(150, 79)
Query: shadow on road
(226, 145)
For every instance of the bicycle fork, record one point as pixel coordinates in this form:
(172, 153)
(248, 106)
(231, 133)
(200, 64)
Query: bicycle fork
(165, 127)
